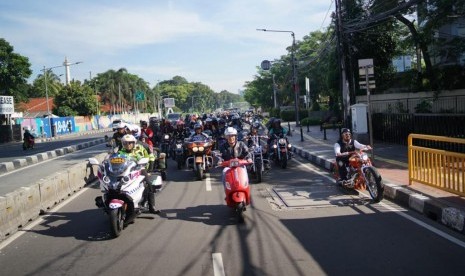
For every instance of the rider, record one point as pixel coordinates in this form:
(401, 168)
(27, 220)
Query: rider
(233, 148)
(198, 135)
(180, 133)
(146, 133)
(342, 149)
(119, 133)
(137, 152)
(275, 132)
(27, 135)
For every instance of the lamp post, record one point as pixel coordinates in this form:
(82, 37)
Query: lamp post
(45, 70)
(294, 73)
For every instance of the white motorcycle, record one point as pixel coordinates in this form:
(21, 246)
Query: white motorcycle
(122, 185)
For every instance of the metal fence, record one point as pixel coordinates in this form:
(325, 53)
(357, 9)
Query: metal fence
(395, 128)
(442, 169)
(444, 104)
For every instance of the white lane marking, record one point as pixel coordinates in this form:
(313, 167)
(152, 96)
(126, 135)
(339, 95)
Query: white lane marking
(208, 183)
(40, 219)
(218, 268)
(399, 212)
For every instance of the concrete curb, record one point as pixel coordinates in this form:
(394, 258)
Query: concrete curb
(428, 206)
(32, 159)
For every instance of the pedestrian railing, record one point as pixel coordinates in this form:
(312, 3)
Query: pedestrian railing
(432, 162)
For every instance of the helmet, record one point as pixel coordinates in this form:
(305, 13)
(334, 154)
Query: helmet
(119, 125)
(179, 123)
(230, 131)
(135, 130)
(345, 130)
(221, 121)
(127, 139)
(197, 126)
(143, 123)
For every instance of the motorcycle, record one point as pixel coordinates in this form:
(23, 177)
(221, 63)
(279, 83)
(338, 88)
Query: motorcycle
(200, 158)
(281, 151)
(236, 185)
(122, 185)
(165, 144)
(28, 143)
(362, 175)
(258, 166)
(179, 153)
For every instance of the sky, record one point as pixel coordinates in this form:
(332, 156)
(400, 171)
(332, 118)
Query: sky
(214, 42)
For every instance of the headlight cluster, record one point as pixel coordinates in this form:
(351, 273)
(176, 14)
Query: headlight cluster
(196, 149)
(289, 145)
(167, 137)
(178, 146)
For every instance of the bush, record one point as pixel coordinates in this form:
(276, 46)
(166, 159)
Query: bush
(310, 121)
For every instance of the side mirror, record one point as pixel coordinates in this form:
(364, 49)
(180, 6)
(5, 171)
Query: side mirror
(93, 161)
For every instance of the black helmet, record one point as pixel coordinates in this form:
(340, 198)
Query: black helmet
(197, 126)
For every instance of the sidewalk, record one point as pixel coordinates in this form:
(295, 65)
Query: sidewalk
(392, 163)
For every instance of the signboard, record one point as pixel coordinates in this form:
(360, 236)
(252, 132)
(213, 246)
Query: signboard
(168, 102)
(7, 105)
(265, 65)
(366, 73)
(140, 96)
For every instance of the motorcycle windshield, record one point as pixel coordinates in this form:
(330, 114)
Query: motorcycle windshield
(117, 165)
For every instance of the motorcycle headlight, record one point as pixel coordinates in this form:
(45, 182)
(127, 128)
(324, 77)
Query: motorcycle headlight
(106, 179)
(126, 179)
(275, 146)
(178, 146)
(364, 157)
(227, 185)
(195, 149)
(167, 137)
(201, 148)
(289, 145)
(282, 141)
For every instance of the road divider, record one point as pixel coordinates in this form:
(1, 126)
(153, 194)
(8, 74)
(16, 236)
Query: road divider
(25, 204)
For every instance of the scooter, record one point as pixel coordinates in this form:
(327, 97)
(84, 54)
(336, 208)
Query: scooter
(28, 143)
(236, 185)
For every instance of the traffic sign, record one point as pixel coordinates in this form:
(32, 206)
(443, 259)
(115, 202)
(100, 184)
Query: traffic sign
(140, 96)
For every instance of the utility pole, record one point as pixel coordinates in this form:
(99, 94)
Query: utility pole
(341, 55)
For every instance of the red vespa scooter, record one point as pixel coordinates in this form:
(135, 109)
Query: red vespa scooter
(236, 185)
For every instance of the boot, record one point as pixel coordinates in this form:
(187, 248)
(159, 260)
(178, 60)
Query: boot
(151, 201)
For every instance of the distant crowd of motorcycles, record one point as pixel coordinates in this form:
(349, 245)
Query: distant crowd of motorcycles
(180, 141)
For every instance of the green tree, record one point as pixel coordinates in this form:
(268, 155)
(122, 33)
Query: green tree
(38, 85)
(75, 100)
(14, 72)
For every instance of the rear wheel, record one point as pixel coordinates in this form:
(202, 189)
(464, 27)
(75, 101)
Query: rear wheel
(374, 184)
(116, 222)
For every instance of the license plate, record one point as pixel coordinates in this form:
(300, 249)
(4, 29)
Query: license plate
(117, 160)
(198, 159)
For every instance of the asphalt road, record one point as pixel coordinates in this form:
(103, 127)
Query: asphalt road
(299, 223)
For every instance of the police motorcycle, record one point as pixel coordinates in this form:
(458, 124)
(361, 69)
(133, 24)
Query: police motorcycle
(280, 150)
(122, 187)
(165, 144)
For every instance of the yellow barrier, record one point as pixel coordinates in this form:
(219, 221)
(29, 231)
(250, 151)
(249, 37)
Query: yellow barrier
(441, 169)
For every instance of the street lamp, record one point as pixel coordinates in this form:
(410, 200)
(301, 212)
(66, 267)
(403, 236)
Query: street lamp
(294, 73)
(45, 70)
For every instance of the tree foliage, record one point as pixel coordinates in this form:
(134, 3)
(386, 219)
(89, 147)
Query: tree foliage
(14, 72)
(75, 100)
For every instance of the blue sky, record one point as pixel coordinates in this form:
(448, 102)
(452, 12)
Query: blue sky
(210, 41)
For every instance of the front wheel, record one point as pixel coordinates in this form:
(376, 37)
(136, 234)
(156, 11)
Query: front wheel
(116, 221)
(284, 160)
(374, 184)
(258, 171)
(199, 171)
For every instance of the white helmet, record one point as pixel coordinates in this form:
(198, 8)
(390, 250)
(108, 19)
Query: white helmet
(230, 131)
(128, 138)
(135, 130)
(119, 125)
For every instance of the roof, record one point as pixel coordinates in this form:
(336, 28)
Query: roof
(36, 107)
